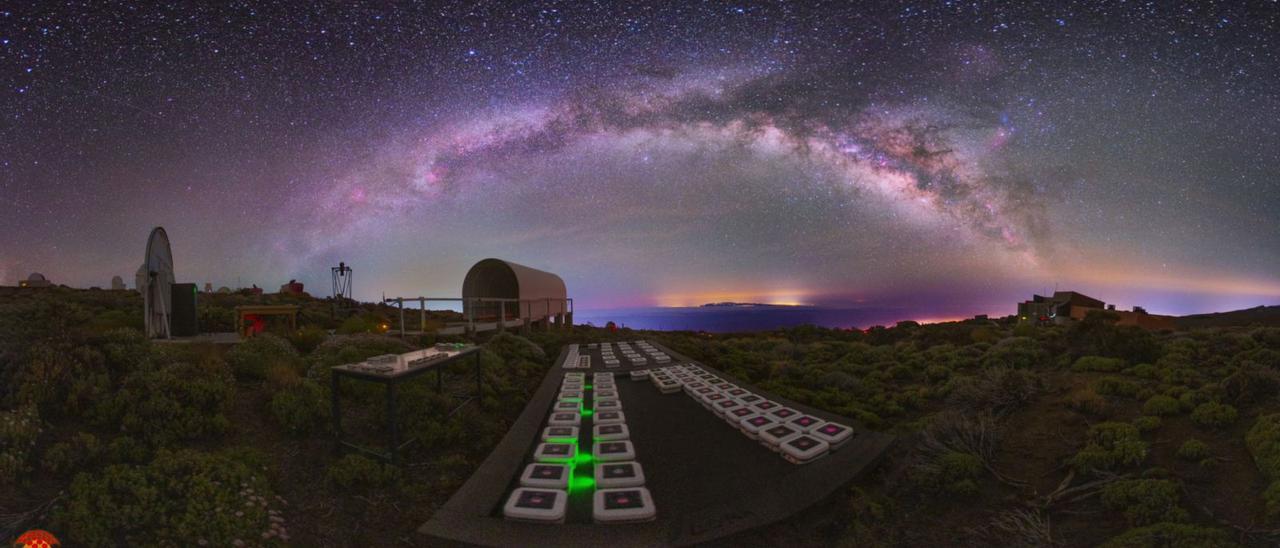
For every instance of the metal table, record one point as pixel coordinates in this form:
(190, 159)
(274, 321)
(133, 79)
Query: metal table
(399, 373)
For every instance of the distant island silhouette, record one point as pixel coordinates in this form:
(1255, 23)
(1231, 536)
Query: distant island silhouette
(728, 304)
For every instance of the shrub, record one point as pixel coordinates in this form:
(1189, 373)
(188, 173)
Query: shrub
(69, 456)
(449, 471)
(124, 350)
(308, 338)
(1145, 501)
(1214, 415)
(251, 359)
(952, 472)
(1110, 444)
(182, 498)
(1251, 384)
(1098, 363)
(1115, 386)
(359, 473)
(360, 324)
(281, 375)
(19, 429)
(1143, 370)
(901, 373)
(1147, 423)
(937, 372)
(1172, 535)
(302, 408)
(1193, 450)
(127, 450)
(1263, 441)
(995, 389)
(1089, 402)
(1015, 353)
(177, 402)
(1161, 405)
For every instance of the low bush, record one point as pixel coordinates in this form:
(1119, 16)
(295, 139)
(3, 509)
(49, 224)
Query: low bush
(362, 324)
(1115, 386)
(72, 455)
(182, 498)
(19, 429)
(253, 358)
(1145, 501)
(1089, 402)
(952, 472)
(308, 338)
(1214, 415)
(302, 408)
(998, 390)
(1142, 370)
(1172, 535)
(1147, 423)
(1110, 444)
(1161, 405)
(1263, 441)
(1193, 450)
(1251, 384)
(937, 373)
(1015, 353)
(127, 450)
(162, 405)
(1098, 363)
(358, 473)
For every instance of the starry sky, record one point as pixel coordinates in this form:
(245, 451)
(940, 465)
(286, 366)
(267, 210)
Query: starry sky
(946, 158)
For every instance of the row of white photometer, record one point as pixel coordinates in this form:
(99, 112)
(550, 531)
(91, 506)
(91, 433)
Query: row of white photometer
(799, 437)
(574, 360)
(620, 495)
(633, 356)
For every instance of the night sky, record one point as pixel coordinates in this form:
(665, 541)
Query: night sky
(948, 158)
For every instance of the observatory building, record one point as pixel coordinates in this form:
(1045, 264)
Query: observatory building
(501, 289)
(36, 279)
(117, 283)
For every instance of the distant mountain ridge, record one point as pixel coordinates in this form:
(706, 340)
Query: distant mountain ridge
(1259, 315)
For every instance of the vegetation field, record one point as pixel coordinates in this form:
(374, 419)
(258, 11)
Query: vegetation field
(1010, 435)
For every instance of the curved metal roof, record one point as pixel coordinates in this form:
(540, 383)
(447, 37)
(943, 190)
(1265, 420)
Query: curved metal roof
(496, 278)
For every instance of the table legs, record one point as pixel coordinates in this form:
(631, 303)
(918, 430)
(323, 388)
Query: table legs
(393, 423)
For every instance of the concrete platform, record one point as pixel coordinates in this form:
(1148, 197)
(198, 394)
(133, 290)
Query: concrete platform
(707, 480)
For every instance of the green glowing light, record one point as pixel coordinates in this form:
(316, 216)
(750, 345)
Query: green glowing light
(581, 483)
(588, 387)
(586, 412)
(583, 476)
(562, 440)
(575, 400)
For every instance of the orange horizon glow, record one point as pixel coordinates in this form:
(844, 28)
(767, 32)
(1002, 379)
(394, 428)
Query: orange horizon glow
(787, 297)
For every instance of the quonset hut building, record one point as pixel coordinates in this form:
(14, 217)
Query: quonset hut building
(495, 289)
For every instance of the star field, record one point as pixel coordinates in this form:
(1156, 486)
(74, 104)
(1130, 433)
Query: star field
(907, 153)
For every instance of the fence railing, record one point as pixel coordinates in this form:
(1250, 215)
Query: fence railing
(524, 309)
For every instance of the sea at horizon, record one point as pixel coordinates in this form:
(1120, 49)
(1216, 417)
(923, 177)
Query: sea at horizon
(726, 319)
